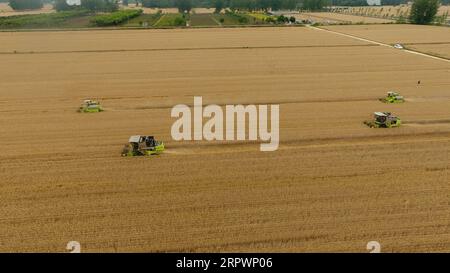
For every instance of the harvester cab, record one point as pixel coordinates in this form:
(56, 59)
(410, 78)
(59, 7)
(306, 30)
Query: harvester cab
(393, 97)
(90, 106)
(383, 120)
(142, 146)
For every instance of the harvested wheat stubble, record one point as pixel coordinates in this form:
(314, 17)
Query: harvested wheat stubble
(333, 185)
(164, 39)
(440, 50)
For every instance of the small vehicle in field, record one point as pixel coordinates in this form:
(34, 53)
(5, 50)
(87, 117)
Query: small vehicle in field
(90, 106)
(383, 120)
(399, 46)
(393, 97)
(143, 146)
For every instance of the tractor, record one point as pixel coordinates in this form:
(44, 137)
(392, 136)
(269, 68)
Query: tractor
(384, 120)
(90, 106)
(393, 97)
(142, 146)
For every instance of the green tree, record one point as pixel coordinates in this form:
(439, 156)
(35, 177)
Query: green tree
(61, 5)
(282, 19)
(423, 12)
(218, 6)
(276, 4)
(179, 21)
(289, 4)
(100, 5)
(183, 5)
(264, 4)
(314, 5)
(237, 4)
(251, 5)
(25, 4)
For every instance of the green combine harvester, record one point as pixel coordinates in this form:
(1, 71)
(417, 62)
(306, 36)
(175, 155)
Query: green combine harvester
(384, 120)
(143, 146)
(90, 106)
(393, 97)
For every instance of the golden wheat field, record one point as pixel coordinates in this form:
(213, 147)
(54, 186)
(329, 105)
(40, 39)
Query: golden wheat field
(333, 185)
(440, 50)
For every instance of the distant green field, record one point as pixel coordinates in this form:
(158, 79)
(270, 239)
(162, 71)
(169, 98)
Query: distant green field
(78, 22)
(131, 18)
(171, 20)
(115, 18)
(202, 20)
(143, 20)
(259, 16)
(50, 20)
(231, 19)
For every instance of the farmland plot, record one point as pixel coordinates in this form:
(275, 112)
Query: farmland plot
(333, 185)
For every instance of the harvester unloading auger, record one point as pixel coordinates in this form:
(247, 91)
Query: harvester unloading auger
(393, 97)
(384, 120)
(90, 106)
(143, 146)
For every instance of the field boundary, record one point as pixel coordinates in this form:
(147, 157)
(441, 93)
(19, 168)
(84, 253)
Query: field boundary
(215, 20)
(142, 28)
(179, 49)
(159, 20)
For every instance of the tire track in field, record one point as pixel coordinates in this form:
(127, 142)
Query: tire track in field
(223, 104)
(428, 43)
(221, 147)
(204, 148)
(284, 102)
(180, 49)
(159, 20)
(381, 44)
(427, 122)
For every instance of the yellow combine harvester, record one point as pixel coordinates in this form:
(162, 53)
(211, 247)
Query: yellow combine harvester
(90, 106)
(384, 120)
(393, 97)
(143, 146)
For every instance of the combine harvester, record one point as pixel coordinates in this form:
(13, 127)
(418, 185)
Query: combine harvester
(393, 97)
(90, 106)
(142, 146)
(384, 120)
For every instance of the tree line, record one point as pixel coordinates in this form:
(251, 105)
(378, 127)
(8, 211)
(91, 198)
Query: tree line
(182, 5)
(422, 11)
(349, 3)
(218, 5)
